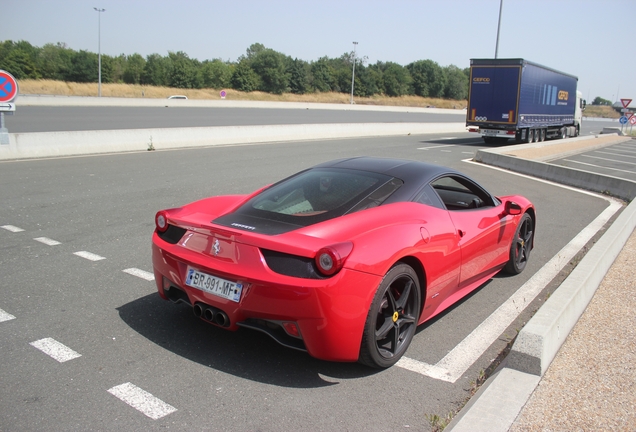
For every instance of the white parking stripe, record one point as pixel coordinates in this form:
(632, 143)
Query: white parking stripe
(599, 166)
(56, 350)
(142, 400)
(140, 273)
(12, 228)
(89, 255)
(47, 241)
(4, 316)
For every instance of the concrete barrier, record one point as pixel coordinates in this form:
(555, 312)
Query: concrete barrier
(55, 144)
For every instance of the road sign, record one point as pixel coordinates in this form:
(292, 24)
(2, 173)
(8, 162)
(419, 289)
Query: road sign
(4, 107)
(8, 87)
(632, 120)
(626, 102)
(623, 120)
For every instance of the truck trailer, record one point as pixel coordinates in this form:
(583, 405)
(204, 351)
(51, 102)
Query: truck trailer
(521, 100)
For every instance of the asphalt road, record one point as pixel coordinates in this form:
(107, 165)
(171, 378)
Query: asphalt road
(216, 380)
(51, 119)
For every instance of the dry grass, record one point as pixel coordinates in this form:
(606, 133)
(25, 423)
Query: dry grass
(600, 111)
(49, 87)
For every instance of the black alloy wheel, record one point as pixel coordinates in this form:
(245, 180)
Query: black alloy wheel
(521, 246)
(392, 318)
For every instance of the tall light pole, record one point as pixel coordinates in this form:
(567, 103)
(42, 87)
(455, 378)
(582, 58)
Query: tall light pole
(353, 72)
(498, 27)
(99, 47)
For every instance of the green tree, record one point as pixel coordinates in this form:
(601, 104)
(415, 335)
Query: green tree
(600, 101)
(298, 71)
(269, 65)
(396, 79)
(428, 78)
(54, 61)
(322, 74)
(155, 71)
(183, 72)
(19, 64)
(216, 74)
(134, 69)
(244, 78)
(456, 83)
(84, 67)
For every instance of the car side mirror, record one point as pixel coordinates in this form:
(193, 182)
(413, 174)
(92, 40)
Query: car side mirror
(512, 208)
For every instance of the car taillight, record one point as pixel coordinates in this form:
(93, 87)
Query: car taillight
(330, 259)
(161, 221)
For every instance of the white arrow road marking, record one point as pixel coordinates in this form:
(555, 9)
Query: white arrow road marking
(54, 349)
(142, 401)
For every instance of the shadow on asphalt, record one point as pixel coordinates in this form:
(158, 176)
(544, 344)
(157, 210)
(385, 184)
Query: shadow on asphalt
(474, 141)
(245, 353)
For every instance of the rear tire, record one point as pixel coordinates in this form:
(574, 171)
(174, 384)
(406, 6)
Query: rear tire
(392, 318)
(521, 246)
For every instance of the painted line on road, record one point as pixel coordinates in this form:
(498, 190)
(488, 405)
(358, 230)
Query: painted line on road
(599, 166)
(471, 348)
(609, 160)
(436, 147)
(5, 316)
(615, 154)
(47, 241)
(140, 273)
(89, 256)
(12, 228)
(142, 401)
(55, 349)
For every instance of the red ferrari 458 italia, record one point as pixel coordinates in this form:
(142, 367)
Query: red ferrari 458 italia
(343, 260)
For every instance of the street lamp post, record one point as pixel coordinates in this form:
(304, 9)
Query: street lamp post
(498, 27)
(99, 47)
(353, 72)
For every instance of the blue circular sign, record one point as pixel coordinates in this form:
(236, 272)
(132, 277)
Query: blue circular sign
(623, 120)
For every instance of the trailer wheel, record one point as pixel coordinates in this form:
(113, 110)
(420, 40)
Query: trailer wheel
(564, 132)
(542, 135)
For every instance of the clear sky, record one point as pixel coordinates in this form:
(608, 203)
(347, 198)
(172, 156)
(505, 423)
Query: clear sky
(594, 40)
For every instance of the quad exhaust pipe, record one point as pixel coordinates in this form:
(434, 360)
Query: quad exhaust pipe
(211, 314)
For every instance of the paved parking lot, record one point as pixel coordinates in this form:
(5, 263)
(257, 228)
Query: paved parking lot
(618, 160)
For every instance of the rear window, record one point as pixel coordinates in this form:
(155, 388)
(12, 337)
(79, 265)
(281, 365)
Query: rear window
(316, 195)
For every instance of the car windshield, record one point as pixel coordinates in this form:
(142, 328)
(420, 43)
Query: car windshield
(316, 195)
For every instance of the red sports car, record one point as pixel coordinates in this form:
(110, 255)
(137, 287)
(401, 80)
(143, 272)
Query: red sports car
(342, 260)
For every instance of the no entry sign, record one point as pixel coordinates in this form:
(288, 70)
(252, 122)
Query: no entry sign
(8, 87)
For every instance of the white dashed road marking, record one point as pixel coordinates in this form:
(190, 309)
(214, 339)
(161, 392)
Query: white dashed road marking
(89, 255)
(12, 228)
(142, 400)
(47, 241)
(4, 316)
(140, 273)
(56, 350)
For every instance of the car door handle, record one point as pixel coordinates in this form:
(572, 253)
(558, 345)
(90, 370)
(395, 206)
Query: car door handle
(461, 233)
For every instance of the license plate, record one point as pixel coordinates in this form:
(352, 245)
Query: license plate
(492, 133)
(214, 285)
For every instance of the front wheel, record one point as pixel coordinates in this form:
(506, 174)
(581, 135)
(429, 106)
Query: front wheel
(521, 246)
(392, 318)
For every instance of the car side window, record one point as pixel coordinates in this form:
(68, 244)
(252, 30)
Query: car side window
(458, 193)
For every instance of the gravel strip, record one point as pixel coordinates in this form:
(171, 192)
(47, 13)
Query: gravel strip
(591, 383)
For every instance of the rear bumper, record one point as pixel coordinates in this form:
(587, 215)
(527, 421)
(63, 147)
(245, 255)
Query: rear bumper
(330, 313)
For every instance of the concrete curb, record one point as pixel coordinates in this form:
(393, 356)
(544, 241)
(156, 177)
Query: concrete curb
(56, 144)
(517, 158)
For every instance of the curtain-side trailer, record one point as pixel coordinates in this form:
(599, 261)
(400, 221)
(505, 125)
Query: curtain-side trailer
(521, 100)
